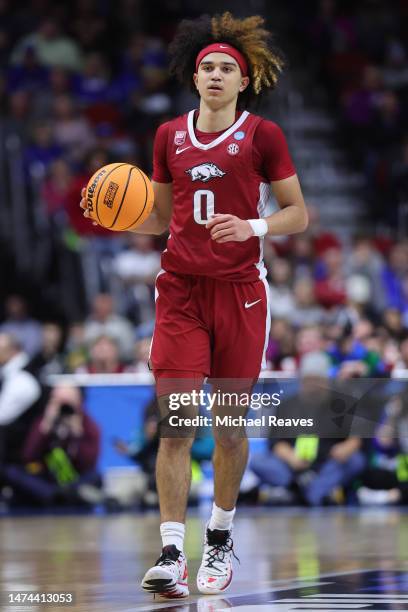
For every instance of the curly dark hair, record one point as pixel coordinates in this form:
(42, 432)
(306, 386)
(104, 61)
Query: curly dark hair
(247, 35)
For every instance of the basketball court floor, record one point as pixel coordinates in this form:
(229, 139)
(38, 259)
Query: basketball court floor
(291, 559)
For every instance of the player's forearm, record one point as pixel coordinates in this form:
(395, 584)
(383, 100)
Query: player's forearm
(288, 220)
(154, 224)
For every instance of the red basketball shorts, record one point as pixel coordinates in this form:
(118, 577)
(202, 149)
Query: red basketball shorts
(214, 327)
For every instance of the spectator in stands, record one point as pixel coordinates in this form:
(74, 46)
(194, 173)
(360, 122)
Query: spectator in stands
(322, 239)
(393, 323)
(388, 125)
(136, 269)
(20, 325)
(93, 85)
(55, 189)
(361, 104)
(395, 278)
(357, 305)
(318, 466)
(76, 351)
(17, 119)
(353, 358)
(6, 33)
(155, 100)
(103, 357)
(401, 361)
(43, 150)
(129, 79)
(72, 131)
(330, 282)
(29, 75)
(309, 339)
(390, 354)
(60, 82)
(302, 256)
(399, 173)
(281, 294)
(52, 47)
(365, 260)
(395, 69)
(281, 345)
(141, 356)
(49, 360)
(143, 450)
(103, 320)
(92, 30)
(60, 454)
(306, 310)
(19, 394)
(386, 480)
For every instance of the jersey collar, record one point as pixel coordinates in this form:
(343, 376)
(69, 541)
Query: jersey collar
(220, 138)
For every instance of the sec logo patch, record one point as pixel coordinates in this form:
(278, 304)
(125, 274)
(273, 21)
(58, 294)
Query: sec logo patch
(233, 148)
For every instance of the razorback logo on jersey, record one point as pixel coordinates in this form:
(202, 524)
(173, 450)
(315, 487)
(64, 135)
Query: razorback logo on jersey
(205, 172)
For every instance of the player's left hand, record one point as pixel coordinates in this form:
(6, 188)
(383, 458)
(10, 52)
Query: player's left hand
(229, 228)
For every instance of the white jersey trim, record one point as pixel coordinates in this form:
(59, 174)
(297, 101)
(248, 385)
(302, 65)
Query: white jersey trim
(264, 192)
(204, 147)
(267, 323)
(156, 295)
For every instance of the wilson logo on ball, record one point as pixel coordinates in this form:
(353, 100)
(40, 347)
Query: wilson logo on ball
(110, 194)
(92, 187)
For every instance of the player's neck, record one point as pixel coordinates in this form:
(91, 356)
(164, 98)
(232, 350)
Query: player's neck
(210, 120)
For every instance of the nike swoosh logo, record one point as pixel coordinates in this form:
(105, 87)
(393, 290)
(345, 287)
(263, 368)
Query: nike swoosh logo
(178, 150)
(223, 47)
(252, 303)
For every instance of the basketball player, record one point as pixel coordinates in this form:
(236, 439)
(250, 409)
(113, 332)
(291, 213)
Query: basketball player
(213, 169)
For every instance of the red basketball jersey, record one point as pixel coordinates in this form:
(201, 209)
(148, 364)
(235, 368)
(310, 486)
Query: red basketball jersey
(216, 177)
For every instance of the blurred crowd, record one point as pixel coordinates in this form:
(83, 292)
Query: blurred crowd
(348, 300)
(85, 83)
(338, 312)
(82, 84)
(359, 52)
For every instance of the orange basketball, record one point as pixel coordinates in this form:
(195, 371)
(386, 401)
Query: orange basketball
(119, 197)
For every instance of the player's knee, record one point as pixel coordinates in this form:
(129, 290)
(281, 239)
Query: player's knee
(230, 441)
(176, 445)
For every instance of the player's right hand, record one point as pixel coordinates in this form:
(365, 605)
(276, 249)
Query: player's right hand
(84, 206)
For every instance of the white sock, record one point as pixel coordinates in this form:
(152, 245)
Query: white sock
(221, 519)
(173, 533)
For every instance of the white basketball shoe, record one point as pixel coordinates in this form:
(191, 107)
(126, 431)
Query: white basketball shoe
(169, 576)
(215, 573)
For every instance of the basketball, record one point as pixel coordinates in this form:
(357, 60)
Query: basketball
(119, 197)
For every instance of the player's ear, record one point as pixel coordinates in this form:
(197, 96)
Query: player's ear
(244, 83)
(195, 79)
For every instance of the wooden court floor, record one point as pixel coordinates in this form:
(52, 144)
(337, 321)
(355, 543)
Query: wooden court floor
(291, 559)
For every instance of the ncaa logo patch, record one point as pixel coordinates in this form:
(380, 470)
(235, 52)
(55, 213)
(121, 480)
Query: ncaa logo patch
(233, 148)
(180, 137)
(239, 135)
